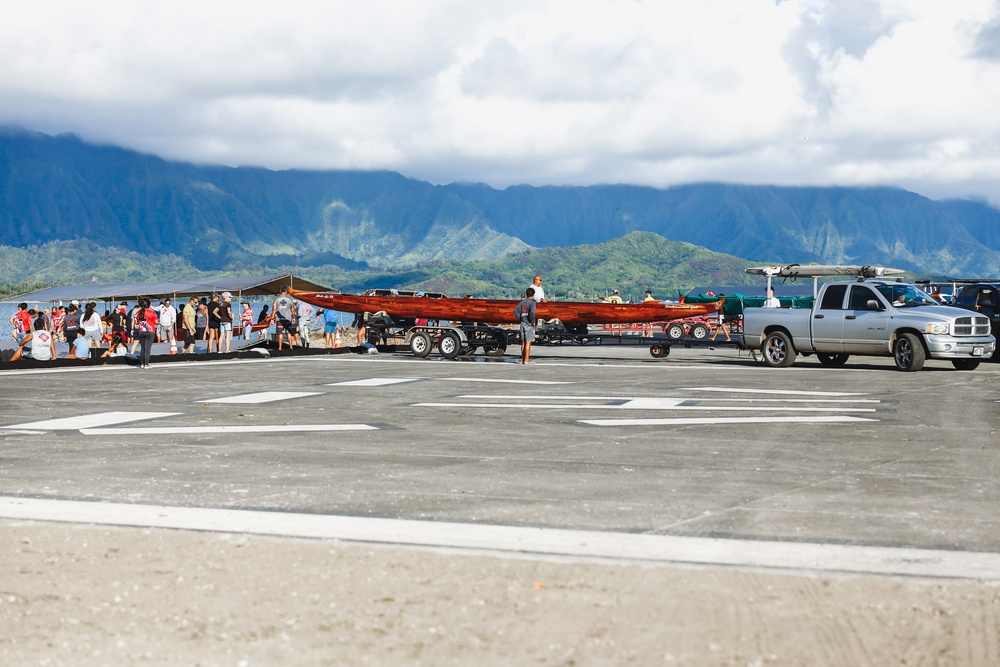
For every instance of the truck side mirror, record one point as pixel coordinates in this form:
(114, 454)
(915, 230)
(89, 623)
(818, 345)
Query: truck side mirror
(873, 305)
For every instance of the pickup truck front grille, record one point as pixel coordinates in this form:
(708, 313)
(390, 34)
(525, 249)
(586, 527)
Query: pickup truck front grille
(972, 326)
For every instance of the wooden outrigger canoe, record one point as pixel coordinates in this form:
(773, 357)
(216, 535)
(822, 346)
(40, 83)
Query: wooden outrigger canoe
(501, 311)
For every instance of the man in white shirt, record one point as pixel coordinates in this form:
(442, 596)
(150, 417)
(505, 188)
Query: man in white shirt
(771, 301)
(539, 292)
(168, 323)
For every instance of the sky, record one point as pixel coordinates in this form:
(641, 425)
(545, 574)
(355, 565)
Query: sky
(544, 92)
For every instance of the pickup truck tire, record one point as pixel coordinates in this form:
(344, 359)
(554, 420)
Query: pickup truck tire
(675, 331)
(420, 345)
(965, 364)
(832, 360)
(777, 350)
(908, 352)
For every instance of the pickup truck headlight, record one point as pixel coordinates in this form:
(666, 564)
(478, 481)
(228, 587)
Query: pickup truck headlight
(938, 328)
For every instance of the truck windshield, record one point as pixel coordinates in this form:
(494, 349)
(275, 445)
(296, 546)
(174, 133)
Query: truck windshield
(906, 296)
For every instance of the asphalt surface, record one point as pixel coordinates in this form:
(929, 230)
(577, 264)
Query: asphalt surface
(706, 443)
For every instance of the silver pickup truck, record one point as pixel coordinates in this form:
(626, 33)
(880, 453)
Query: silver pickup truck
(870, 318)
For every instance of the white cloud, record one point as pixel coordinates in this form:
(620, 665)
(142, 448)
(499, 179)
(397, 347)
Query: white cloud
(899, 92)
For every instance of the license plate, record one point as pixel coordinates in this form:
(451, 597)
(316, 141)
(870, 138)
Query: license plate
(977, 351)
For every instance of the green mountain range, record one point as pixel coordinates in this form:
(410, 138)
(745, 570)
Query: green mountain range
(83, 211)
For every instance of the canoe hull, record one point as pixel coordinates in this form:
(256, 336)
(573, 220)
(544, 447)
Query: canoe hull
(501, 311)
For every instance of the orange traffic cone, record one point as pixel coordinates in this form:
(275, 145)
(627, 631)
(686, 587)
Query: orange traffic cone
(336, 339)
(173, 346)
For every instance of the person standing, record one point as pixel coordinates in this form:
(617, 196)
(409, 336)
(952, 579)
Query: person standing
(201, 319)
(213, 324)
(146, 321)
(525, 313)
(329, 326)
(305, 312)
(771, 301)
(21, 322)
(614, 298)
(133, 318)
(58, 316)
(283, 308)
(71, 323)
(226, 321)
(537, 290)
(246, 321)
(117, 321)
(190, 328)
(91, 323)
(168, 323)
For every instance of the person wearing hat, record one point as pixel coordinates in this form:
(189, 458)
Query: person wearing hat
(226, 321)
(614, 298)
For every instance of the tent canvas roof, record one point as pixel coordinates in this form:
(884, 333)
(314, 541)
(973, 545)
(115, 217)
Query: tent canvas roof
(240, 286)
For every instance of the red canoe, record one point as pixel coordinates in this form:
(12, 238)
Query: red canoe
(501, 311)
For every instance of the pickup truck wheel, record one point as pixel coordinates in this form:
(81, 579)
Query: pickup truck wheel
(831, 360)
(909, 353)
(965, 364)
(674, 332)
(777, 350)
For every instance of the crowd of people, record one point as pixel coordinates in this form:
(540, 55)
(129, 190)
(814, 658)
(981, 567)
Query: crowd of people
(132, 331)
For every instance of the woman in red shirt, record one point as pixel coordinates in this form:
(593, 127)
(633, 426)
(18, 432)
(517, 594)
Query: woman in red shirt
(146, 321)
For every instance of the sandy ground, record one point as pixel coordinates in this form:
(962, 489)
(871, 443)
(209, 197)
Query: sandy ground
(86, 595)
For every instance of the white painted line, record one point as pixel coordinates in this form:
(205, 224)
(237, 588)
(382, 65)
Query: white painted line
(372, 382)
(574, 545)
(786, 392)
(638, 404)
(231, 428)
(540, 397)
(686, 421)
(507, 381)
(260, 397)
(534, 397)
(91, 421)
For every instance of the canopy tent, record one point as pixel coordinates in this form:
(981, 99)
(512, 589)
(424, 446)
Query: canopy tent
(240, 286)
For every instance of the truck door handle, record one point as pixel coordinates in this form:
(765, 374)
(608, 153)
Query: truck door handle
(850, 317)
(818, 317)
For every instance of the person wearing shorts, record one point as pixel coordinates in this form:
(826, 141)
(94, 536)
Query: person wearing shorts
(284, 310)
(525, 313)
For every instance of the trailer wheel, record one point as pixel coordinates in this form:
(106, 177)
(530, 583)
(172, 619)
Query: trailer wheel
(494, 350)
(777, 350)
(659, 351)
(450, 346)
(420, 344)
(908, 353)
(965, 364)
(674, 331)
(699, 332)
(831, 360)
